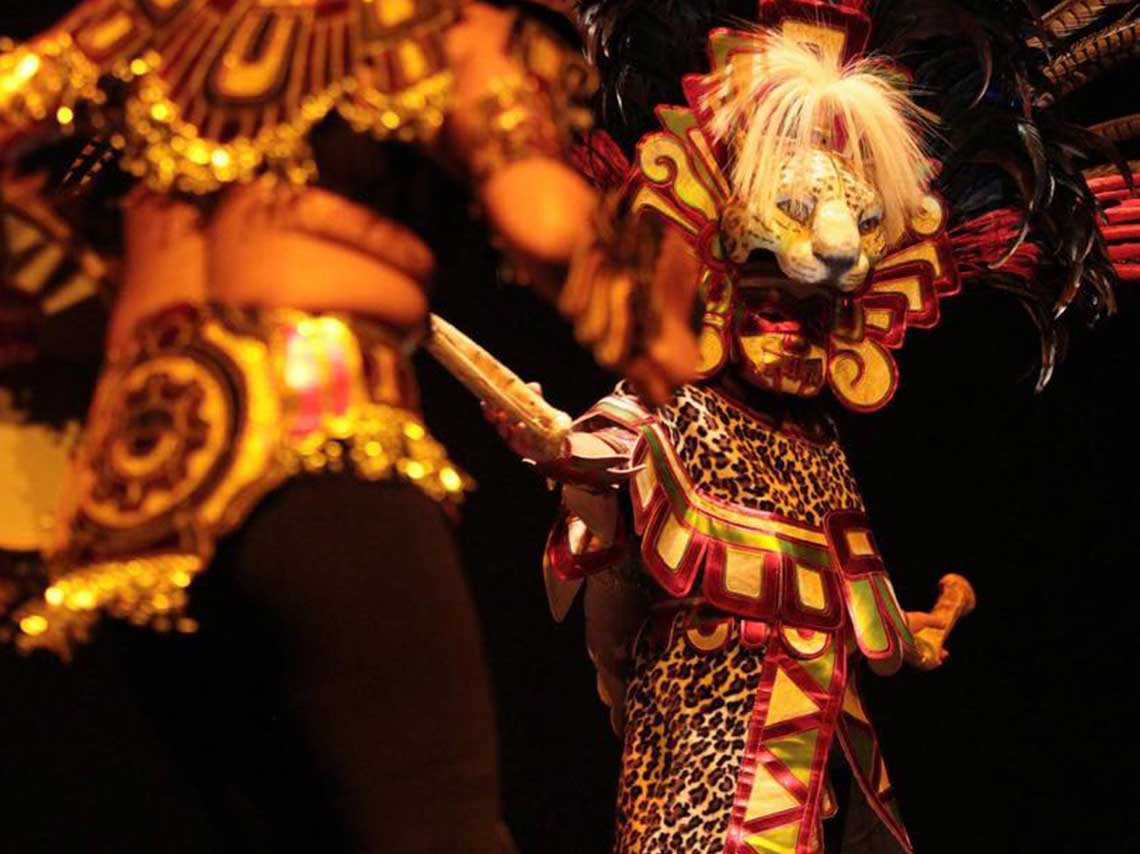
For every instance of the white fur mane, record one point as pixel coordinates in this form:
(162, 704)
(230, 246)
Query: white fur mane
(785, 98)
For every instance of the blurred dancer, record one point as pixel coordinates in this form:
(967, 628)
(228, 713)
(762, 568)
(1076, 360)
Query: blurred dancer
(273, 188)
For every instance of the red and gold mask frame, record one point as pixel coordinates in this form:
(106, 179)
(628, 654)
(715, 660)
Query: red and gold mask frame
(796, 320)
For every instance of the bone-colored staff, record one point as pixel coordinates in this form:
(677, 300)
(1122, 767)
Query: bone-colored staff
(956, 599)
(496, 385)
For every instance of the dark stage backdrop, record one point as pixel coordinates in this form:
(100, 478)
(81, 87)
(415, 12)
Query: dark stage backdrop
(1023, 742)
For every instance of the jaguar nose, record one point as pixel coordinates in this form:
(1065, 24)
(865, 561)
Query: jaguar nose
(835, 237)
(837, 265)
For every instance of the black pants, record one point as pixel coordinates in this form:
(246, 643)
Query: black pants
(336, 697)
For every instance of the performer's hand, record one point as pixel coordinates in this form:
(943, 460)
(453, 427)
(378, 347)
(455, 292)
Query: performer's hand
(916, 622)
(518, 438)
(630, 297)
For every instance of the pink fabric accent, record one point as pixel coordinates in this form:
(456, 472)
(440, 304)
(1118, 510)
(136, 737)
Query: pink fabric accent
(303, 376)
(566, 564)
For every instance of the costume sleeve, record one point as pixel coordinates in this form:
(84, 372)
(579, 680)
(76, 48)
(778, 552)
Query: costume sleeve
(590, 546)
(54, 285)
(573, 551)
(529, 100)
(875, 617)
(541, 108)
(520, 116)
(590, 533)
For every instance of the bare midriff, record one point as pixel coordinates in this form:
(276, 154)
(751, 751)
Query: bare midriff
(273, 246)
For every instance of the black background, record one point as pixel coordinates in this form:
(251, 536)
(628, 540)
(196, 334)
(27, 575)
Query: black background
(1022, 742)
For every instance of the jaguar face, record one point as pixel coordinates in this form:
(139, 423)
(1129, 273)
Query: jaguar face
(825, 227)
(827, 165)
(818, 240)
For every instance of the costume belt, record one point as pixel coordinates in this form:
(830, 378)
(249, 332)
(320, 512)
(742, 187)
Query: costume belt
(708, 628)
(211, 409)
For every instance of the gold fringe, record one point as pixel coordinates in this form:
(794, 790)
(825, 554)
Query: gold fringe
(44, 82)
(145, 591)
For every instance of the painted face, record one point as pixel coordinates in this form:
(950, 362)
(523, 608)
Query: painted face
(825, 232)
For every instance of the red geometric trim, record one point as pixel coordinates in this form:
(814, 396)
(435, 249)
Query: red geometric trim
(864, 567)
(767, 607)
(568, 566)
(837, 523)
(829, 700)
(676, 581)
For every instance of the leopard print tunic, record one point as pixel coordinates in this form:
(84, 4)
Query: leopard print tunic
(733, 455)
(688, 715)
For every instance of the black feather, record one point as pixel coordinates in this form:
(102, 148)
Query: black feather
(642, 49)
(979, 65)
(1012, 145)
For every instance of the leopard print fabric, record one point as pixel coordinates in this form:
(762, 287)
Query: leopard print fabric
(732, 455)
(688, 715)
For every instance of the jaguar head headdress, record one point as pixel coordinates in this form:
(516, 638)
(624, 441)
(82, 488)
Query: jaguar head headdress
(835, 198)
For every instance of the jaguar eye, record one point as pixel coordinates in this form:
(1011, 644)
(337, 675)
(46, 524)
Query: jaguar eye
(798, 209)
(870, 222)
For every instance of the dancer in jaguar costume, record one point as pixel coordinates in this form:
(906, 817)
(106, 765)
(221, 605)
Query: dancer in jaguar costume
(830, 201)
(271, 186)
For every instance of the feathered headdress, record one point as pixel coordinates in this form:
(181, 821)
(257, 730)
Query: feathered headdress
(1020, 151)
(783, 99)
(1040, 203)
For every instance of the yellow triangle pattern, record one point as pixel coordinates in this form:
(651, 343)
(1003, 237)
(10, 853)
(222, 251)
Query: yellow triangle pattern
(796, 752)
(788, 701)
(767, 796)
(822, 668)
(778, 840)
(884, 780)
